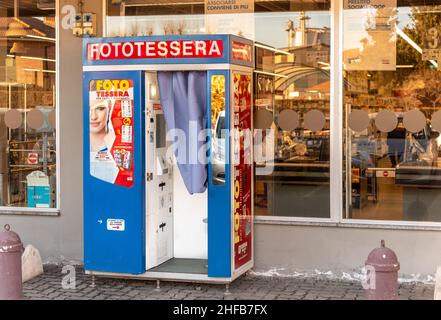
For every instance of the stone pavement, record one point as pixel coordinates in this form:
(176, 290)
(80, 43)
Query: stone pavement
(249, 287)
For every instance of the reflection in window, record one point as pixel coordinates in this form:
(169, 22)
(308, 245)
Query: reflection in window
(292, 83)
(27, 104)
(391, 74)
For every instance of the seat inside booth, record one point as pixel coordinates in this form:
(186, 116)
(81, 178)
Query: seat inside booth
(177, 100)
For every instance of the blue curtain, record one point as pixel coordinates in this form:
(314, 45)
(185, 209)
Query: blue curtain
(184, 101)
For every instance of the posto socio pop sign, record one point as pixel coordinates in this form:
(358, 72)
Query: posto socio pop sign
(155, 49)
(363, 4)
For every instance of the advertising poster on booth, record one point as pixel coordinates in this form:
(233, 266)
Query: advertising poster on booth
(242, 170)
(111, 122)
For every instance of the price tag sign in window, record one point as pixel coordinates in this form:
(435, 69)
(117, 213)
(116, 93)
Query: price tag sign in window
(432, 49)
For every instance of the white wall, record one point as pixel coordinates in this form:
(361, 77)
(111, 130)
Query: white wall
(190, 232)
(338, 249)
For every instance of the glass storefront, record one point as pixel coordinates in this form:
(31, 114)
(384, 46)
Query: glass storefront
(292, 93)
(27, 105)
(390, 107)
(392, 111)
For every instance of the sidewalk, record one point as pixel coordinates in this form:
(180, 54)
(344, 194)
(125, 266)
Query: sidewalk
(49, 286)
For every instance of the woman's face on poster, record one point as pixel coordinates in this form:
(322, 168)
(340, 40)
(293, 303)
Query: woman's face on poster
(98, 118)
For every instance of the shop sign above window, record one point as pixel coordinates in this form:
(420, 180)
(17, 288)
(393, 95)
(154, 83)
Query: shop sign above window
(228, 6)
(365, 4)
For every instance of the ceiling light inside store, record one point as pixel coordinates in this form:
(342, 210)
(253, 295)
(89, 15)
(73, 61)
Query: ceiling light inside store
(39, 70)
(294, 94)
(41, 38)
(324, 65)
(37, 58)
(271, 49)
(271, 74)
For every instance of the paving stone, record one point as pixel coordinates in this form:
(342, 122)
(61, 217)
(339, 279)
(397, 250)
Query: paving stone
(249, 287)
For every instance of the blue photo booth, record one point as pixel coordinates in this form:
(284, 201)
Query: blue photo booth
(168, 171)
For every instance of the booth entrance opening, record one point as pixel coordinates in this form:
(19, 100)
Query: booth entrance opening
(176, 221)
(168, 172)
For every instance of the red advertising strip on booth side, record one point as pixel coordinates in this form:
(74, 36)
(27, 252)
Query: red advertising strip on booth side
(242, 170)
(183, 49)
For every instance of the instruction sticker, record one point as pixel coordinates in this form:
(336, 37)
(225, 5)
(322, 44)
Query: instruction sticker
(116, 224)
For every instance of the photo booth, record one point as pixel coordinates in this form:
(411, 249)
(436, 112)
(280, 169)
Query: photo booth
(168, 157)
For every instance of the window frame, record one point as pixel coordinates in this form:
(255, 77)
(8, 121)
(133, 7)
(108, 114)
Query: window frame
(25, 211)
(351, 222)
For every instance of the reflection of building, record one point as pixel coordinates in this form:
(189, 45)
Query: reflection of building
(304, 70)
(27, 81)
(300, 71)
(376, 47)
(29, 50)
(303, 36)
(300, 80)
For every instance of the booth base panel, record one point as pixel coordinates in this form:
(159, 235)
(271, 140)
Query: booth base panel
(179, 265)
(174, 276)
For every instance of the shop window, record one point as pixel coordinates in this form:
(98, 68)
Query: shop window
(27, 105)
(392, 111)
(291, 89)
(291, 100)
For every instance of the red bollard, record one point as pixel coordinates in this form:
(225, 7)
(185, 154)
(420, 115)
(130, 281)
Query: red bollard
(383, 266)
(11, 249)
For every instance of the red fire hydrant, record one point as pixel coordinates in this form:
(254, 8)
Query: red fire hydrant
(11, 249)
(382, 266)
